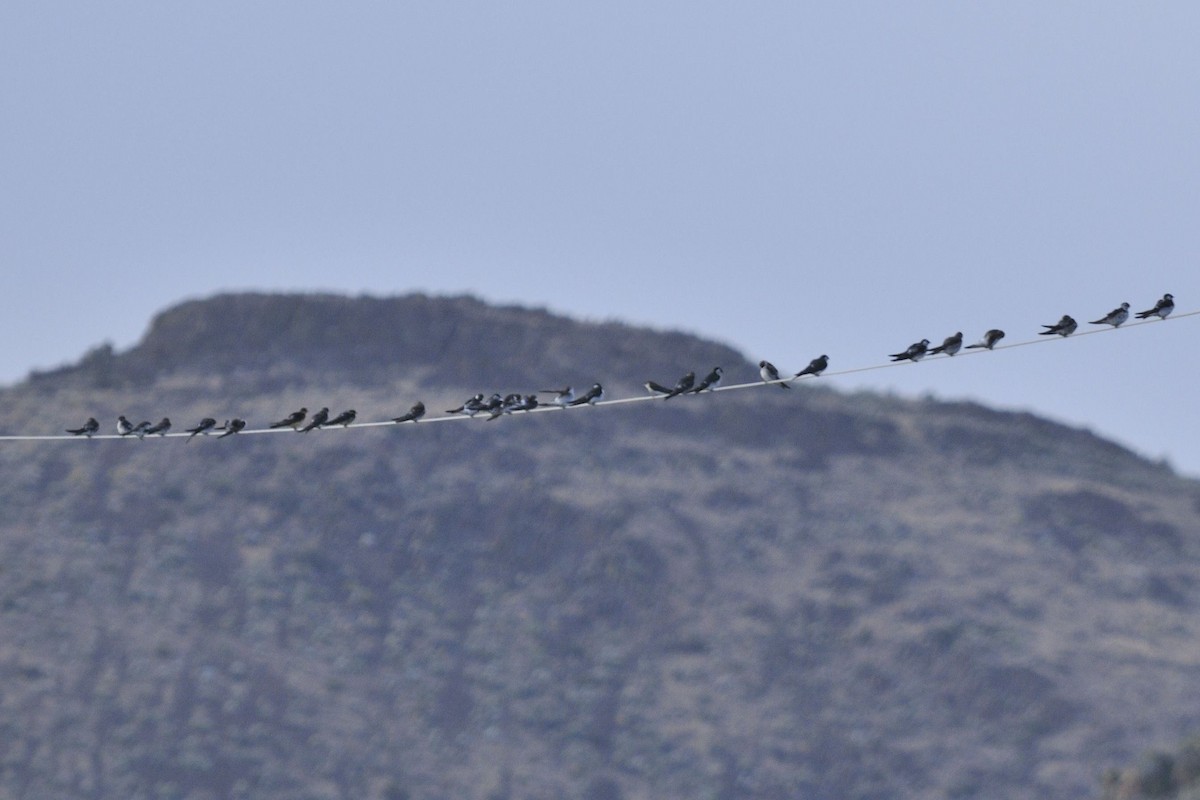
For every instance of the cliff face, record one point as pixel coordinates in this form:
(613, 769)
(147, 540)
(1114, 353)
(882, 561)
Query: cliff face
(758, 594)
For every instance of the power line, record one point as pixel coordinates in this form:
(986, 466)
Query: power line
(621, 400)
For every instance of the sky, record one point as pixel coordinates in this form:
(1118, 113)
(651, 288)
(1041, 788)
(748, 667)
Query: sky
(788, 178)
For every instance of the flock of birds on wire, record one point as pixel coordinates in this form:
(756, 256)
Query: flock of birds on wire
(496, 405)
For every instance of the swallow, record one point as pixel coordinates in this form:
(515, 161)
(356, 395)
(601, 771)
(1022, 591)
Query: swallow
(504, 405)
(656, 388)
(206, 425)
(161, 428)
(490, 405)
(989, 339)
(292, 420)
(767, 371)
(815, 367)
(318, 419)
(915, 352)
(232, 426)
(1161, 309)
(710, 380)
(140, 429)
(470, 407)
(414, 414)
(590, 397)
(87, 429)
(344, 419)
(515, 402)
(1065, 327)
(124, 426)
(684, 384)
(562, 396)
(950, 345)
(1114, 317)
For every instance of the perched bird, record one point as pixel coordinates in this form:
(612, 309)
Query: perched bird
(590, 397)
(414, 414)
(989, 339)
(491, 404)
(950, 345)
(562, 396)
(470, 407)
(206, 425)
(710, 380)
(292, 420)
(915, 352)
(124, 426)
(87, 429)
(232, 426)
(318, 419)
(1161, 309)
(515, 402)
(161, 428)
(684, 384)
(504, 405)
(140, 429)
(344, 419)
(767, 371)
(656, 388)
(1065, 327)
(1115, 317)
(815, 367)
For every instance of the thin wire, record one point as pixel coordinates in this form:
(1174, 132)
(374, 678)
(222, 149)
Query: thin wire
(617, 401)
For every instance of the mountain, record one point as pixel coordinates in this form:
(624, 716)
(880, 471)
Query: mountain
(755, 594)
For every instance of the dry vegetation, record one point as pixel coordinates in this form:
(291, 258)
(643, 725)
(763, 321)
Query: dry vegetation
(750, 595)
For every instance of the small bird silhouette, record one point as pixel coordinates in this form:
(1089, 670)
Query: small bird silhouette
(414, 414)
(815, 367)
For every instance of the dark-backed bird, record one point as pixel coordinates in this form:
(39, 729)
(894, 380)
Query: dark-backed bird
(318, 419)
(471, 407)
(414, 414)
(516, 402)
(206, 425)
(141, 428)
(1161, 309)
(684, 384)
(292, 420)
(161, 428)
(1064, 327)
(562, 396)
(232, 426)
(915, 352)
(344, 419)
(710, 380)
(1115, 317)
(490, 405)
(504, 405)
(950, 345)
(656, 388)
(815, 367)
(768, 372)
(87, 429)
(989, 339)
(590, 397)
(124, 426)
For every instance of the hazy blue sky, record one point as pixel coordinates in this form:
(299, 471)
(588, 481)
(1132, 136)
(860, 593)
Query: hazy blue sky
(790, 178)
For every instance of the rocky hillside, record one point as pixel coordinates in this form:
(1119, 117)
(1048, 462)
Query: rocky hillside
(759, 594)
